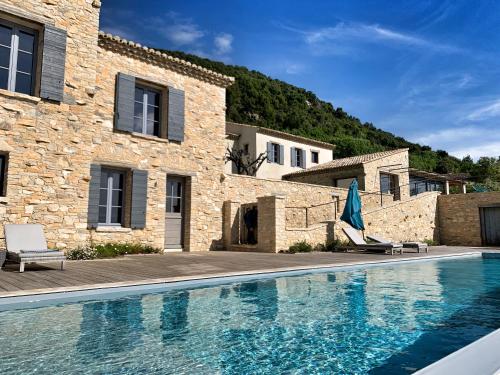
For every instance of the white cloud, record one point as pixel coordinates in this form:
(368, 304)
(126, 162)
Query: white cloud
(333, 38)
(182, 34)
(475, 141)
(491, 149)
(223, 43)
(294, 68)
(485, 112)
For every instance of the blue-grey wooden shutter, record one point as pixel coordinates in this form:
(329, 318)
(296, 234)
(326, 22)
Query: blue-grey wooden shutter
(282, 155)
(94, 191)
(175, 131)
(124, 105)
(269, 149)
(293, 157)
(139, 199)
(303, 159)
(53, 63)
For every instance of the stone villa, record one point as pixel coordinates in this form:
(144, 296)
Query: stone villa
(102, 139)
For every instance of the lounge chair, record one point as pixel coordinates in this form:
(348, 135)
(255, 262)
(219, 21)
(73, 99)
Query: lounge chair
(419, 246)
(26, 243)
(361, 244)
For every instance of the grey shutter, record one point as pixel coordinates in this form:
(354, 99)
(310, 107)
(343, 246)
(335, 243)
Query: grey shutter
(94, 191)
(175, 131)
(282, 155)
(124, 105)
(304, 158)
(292, 157)
(139, 199)
(53, 62)
(269, 148)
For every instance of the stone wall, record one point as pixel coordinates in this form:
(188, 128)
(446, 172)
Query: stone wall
(310, 211)
(52, 145)
(47, 142)
(459, 220)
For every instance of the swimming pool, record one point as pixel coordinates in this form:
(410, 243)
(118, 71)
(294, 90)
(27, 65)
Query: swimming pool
(390, 319)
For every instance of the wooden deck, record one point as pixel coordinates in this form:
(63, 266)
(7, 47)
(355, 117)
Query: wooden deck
(146, 269)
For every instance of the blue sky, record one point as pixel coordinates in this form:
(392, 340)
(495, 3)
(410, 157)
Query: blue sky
(425, 70)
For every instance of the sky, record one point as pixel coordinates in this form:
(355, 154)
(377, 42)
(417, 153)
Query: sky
(428, 71)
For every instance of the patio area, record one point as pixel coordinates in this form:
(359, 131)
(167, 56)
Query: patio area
(148, 269)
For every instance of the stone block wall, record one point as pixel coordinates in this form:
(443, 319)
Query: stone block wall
(459, 220)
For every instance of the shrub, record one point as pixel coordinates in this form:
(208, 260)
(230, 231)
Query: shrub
(82, 253)
(109, 250)
(332, 245)
(431, 242)
(300, 247)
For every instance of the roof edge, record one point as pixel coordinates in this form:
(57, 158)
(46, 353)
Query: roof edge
(133, 49)
(286, 135)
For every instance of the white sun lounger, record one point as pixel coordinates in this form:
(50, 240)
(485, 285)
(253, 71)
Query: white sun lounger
(419, 246)
(26, 243)
(361, 244)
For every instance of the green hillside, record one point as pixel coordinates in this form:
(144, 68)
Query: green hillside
(260, 100)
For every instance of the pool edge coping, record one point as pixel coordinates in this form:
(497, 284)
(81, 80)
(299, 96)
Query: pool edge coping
(199, 278)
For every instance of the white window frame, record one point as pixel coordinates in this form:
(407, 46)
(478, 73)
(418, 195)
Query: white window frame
(109, 197)
(299, 163)
(145, 105)
(14, 52)
(312, 158)
(275, 148)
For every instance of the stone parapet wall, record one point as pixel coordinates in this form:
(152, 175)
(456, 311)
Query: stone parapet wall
(459, 217)
(414, 219)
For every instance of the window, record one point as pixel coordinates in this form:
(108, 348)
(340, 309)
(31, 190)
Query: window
(275, 153)
(389, 184)
(297, 155)
(174, 196)
(246, 148)
(344, 182)
(3, 175)
(17, 58)
(147, 111)
(315, 157)
(111, 197)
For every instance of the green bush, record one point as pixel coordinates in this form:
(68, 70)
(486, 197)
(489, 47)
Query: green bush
(332, 245)
(81, 253)
(431, 242)
(300, 247)
(109, 250)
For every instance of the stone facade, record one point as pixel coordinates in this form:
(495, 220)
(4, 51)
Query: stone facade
(310, 212)
(52, 145)
(395, 163)
(459, 217)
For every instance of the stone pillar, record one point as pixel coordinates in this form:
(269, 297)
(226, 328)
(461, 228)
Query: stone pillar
(464, 188)
(447, 187)
(231, 226)
(271, 223)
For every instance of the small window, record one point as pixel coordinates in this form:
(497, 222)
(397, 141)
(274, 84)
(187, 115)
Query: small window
(246, 148)
(3, 175)
(174, 196)
(111, 197)
(275, 153)
(297, 154)
(315, 157)
(17, 58)
(147, 111)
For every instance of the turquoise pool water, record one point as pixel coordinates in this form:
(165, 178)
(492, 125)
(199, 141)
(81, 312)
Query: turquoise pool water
(390, 319)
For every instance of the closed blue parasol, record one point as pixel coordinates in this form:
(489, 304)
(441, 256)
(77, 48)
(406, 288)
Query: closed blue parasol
(352, 209)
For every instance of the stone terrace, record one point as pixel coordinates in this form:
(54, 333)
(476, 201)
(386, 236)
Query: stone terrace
(148, 269)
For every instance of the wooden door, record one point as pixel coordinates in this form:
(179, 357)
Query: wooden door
(174, 216)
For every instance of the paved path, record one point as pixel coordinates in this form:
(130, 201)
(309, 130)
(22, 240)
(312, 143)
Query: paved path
(146, 269)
